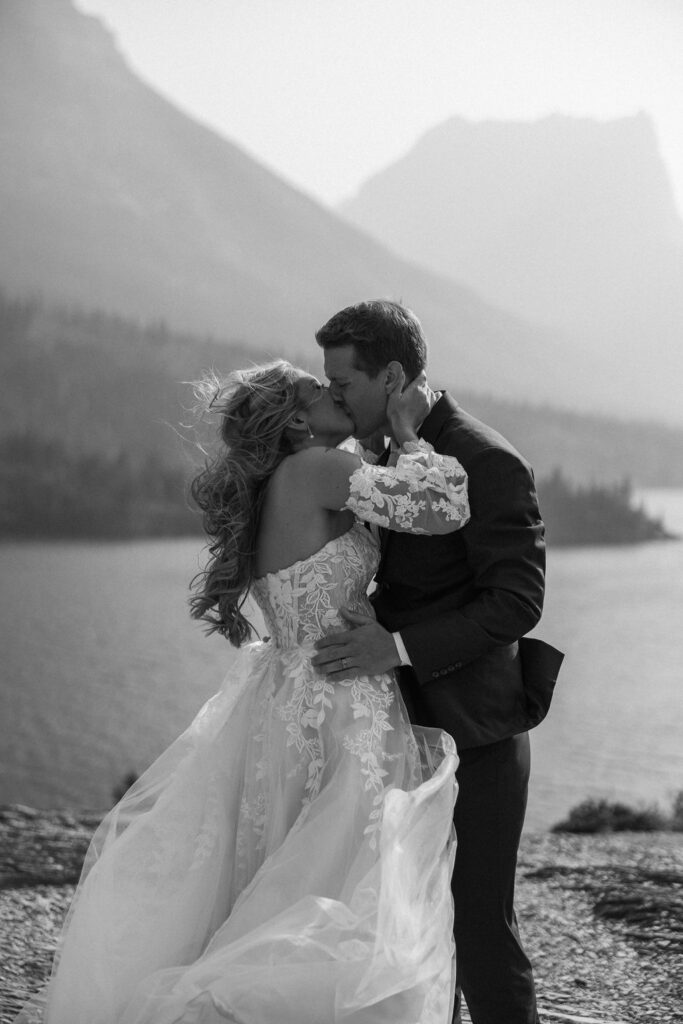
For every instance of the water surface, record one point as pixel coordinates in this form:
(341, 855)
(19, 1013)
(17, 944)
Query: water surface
(102, 667)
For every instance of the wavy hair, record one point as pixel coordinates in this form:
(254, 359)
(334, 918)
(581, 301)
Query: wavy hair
(254, 407)
(380, 330)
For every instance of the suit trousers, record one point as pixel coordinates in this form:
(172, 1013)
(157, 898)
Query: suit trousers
(493, 971)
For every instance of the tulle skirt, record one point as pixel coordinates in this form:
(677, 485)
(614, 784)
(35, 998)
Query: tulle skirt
(287, 860)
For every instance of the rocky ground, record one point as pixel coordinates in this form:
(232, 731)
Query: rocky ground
(602, 916)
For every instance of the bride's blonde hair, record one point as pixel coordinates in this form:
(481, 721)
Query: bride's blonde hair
(254, 408)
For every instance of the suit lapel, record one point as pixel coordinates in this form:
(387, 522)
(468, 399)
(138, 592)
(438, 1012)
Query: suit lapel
(441, 412)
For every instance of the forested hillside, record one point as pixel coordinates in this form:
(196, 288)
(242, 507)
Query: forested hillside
(97, 436)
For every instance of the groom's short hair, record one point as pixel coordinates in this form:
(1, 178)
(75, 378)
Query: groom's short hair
(380, 331)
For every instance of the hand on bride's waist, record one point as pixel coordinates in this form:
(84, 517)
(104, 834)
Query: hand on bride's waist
(365, 648)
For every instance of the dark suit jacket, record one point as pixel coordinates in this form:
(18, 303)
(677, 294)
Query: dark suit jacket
(462, 601)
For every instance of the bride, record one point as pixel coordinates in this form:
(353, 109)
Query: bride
(287, 860)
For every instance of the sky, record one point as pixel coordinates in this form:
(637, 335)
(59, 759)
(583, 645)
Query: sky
(328, 92)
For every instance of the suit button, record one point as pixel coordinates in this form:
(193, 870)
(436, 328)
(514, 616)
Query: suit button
(450, 668)
(458, 664)
(435, 675)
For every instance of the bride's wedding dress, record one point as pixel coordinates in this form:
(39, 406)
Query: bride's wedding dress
(287, 860)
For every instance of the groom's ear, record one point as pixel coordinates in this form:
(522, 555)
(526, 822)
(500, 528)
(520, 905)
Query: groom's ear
(393, 374)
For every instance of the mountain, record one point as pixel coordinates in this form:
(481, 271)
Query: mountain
(566, 221)
(110, 197)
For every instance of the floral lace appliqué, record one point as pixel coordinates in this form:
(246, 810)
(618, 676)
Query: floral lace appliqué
(423, 493)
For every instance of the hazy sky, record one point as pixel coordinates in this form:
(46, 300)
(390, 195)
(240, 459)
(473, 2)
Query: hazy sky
(326, 92)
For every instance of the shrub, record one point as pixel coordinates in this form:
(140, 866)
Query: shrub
(677, 812)
(592, 816)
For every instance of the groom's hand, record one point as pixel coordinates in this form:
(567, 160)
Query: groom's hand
(365, 649)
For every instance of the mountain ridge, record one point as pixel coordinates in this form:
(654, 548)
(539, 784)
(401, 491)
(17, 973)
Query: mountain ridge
(566, 221)
(112, 197)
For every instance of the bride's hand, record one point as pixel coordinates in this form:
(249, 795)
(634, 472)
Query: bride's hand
(406, 409)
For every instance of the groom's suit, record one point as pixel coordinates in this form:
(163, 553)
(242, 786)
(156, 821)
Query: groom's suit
(461, 603)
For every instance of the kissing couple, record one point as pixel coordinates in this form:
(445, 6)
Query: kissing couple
(334, 837)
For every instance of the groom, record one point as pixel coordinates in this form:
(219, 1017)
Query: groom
(450, 614)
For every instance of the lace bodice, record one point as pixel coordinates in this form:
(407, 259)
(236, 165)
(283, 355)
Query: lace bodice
(421, 492)
(300, 604)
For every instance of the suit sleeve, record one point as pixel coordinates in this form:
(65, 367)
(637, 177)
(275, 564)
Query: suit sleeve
(505, 548)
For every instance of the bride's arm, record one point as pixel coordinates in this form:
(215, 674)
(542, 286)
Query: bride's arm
(422, 493)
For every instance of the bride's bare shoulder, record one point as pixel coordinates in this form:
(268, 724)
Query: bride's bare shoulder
(317, 473)
(320, 460)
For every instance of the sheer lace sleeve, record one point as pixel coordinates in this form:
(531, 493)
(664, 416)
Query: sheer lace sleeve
(424, 492)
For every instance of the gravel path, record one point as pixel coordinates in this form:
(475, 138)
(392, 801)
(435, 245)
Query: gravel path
(602, 920)
(601, 916)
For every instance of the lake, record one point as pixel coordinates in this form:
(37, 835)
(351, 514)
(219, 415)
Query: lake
(102, 667)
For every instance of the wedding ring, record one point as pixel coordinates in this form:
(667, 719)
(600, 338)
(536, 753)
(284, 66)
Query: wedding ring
(344, 663)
